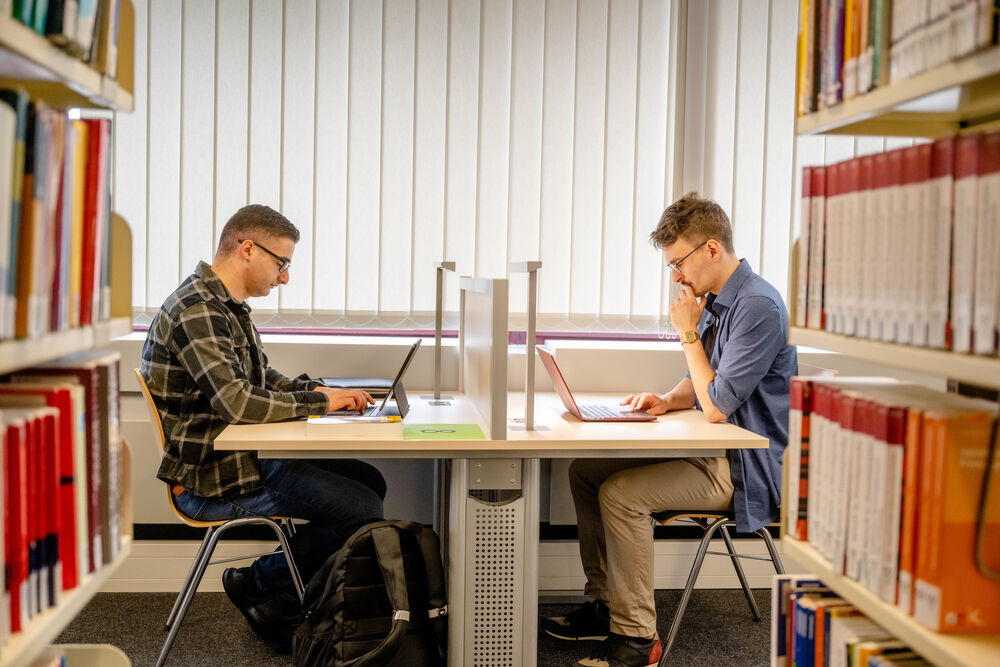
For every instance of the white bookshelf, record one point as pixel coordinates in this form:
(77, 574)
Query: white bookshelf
(978, 370)
(935, 103)
(42, 630)
(23, 353)
(50, 74)
(954, 98)
(971, 650)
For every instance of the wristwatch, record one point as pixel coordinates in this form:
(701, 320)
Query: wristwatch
(689, 336)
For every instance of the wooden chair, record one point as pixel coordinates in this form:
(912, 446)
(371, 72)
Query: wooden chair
(713, 522)
(213, 532)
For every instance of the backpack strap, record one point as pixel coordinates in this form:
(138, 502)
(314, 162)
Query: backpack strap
(430, 549)
(390, 559)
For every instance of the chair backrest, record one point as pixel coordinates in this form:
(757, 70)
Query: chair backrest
(154, 414)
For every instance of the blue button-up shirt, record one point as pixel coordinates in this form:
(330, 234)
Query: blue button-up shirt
(753, 364)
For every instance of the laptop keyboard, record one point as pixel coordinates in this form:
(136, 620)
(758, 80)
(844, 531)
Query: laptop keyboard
(599, 412)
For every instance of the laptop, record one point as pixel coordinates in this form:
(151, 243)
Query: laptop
(395, 391)
(587, 413)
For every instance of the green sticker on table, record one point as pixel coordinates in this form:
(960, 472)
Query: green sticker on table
(442, 432)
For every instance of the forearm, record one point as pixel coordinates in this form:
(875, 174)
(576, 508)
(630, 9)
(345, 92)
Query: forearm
(680, 397)
(702, 375)
(278, 381)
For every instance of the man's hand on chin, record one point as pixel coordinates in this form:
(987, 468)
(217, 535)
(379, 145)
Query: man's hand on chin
(685, 312)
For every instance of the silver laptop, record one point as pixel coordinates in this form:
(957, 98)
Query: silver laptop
(395, 391)
(587, 413)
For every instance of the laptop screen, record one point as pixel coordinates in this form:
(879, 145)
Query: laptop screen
(399, 374)
(549, 361)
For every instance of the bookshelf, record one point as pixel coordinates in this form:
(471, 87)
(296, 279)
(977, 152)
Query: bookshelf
(971, 369)
(28, 61)
(937, 648)
(23, 647)
(958, 97)
(49, 74)
(939, 102)
(16, 354)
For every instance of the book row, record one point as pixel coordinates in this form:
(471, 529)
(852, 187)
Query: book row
(811, 626)
(847, 48)
(888, 481)
(85, 29)
(904, 246)
(62, 480)
(55, 217)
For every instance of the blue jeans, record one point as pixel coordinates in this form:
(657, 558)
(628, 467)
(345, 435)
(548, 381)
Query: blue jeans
(336, 496)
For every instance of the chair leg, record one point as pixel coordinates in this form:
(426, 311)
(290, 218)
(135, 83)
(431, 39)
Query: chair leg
(293, 571)
(775, 558)
(692, 578)
(739, 573)
(197, 573)
(190, 576)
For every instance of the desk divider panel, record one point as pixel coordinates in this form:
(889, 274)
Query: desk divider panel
(483, 350)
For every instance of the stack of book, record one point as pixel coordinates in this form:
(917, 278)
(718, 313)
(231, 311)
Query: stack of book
(61, 480)
(887, 481)
(85, 29)
(904, 246)
(849, 47)
(810, 625)
(55, 213)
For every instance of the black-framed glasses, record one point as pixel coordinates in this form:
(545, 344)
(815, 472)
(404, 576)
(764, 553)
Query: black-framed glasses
(676, 266)
(283, 262)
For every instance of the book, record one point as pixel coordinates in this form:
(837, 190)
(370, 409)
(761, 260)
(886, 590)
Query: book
(8, 145)
(817, 237)
(940, 209)
(782, 587)
(18, 101)
(986, 290)
(802, 250)
(963, 264)
(951, 593)
(59, 396)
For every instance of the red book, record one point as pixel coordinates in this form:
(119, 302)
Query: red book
(798, 473)
(96, 191)
(87, 376)
(50, 561)
(16, 514)
(941, 210)
(58, 396)
(817, 257)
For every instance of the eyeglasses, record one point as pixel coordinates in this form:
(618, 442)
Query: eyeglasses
(676, 266)
(283, 262)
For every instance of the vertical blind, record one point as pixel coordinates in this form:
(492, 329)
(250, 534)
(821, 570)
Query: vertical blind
(397, 133)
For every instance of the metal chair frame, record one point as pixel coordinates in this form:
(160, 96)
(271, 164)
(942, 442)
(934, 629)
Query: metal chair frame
(283, 528)
(713, 523)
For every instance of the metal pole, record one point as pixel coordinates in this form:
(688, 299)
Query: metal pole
(438, 318)
(529, 358)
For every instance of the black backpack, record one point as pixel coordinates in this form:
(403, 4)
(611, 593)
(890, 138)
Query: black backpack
(379, 600)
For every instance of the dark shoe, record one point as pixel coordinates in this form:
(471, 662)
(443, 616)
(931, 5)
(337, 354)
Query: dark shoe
(240, 587)
(590, 621)
(621, 651)
(275, 619)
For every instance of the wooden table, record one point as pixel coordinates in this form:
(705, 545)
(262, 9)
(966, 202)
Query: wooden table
(492, 470)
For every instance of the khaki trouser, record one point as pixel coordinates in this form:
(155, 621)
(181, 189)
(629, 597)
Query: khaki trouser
(613, 499)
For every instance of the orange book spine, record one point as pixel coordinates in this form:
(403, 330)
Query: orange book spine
(953, 596)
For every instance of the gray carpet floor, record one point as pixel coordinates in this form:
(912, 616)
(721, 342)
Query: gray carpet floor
(717, 630)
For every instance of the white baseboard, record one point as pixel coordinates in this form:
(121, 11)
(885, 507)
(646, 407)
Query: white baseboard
(161, 566)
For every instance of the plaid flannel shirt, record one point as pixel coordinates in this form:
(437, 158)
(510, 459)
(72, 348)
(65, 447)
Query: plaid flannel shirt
(205, 369)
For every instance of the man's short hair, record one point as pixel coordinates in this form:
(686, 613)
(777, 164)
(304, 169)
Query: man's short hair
(255, 222)
(696, 219)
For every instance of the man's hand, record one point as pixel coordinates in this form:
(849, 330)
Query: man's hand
(646, 402)
(346, 399)
(685, 312)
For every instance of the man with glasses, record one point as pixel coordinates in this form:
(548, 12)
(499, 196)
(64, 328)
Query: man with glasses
(205, 368)
(733, 327)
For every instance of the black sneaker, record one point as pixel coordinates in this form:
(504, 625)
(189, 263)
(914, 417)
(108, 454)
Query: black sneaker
(590, 621)
(621, 651)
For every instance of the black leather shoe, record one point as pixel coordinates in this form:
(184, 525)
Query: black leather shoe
(275, 619)
(240, 588)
